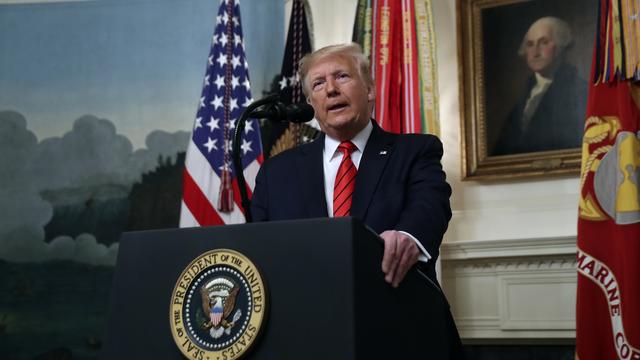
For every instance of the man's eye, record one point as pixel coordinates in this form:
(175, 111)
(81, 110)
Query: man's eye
(316, 85)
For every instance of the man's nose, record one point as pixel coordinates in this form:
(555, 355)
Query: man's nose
(537, 50)
(332, 88)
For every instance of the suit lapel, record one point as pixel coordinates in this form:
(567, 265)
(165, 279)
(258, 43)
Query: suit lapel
(372, 164)
(311, 176)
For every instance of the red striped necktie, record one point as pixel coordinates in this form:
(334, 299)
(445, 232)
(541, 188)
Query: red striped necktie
(345, 181)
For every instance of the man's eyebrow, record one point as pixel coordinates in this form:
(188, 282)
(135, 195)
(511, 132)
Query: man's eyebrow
(313, 77)
(340, 71)
(543, 37)
(333, 73)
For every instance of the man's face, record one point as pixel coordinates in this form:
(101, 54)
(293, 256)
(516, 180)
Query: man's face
(339, 96)
(540, 49)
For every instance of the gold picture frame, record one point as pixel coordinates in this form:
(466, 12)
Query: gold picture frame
(497, 80)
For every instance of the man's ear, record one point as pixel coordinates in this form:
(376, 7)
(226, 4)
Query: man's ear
(308, 100)
(371, 94)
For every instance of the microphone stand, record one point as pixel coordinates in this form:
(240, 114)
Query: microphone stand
(235, 152)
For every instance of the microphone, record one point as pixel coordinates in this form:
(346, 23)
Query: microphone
(278, 111)
(275, 110)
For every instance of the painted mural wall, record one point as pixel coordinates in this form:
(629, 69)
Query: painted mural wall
(97, 100)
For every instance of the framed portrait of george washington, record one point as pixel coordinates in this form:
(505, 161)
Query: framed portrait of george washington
(524, 74)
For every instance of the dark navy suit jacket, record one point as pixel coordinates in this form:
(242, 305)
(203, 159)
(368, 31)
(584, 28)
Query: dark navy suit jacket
(400, 185)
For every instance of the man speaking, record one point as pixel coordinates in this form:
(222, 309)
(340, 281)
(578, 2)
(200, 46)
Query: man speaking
(393, 183)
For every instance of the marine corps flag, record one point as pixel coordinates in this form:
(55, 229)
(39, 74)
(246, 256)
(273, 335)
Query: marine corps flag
(608, 315)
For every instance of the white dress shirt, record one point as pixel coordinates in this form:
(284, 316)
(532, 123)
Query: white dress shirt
(535, 96)
(331, 162)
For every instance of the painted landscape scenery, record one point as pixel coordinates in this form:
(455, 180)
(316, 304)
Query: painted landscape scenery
(97, 101)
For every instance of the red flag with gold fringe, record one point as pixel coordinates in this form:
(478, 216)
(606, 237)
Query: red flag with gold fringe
(607, 312)
(608, 316)
(398, 37)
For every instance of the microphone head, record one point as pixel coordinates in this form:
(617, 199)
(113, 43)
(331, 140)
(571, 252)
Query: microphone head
(300, 113)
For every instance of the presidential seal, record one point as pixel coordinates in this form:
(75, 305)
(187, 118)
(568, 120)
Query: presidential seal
(217, 306)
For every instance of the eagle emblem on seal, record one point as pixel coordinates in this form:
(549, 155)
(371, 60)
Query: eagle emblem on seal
(218, 302)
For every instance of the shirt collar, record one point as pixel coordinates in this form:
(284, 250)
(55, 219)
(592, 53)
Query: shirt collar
(543, 81)
(360, 141)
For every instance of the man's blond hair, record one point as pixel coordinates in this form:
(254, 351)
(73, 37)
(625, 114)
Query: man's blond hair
(352, 52)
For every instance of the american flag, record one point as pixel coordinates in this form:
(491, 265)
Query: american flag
(210, 190)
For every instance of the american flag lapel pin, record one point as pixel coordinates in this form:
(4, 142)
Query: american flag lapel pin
(383, 152)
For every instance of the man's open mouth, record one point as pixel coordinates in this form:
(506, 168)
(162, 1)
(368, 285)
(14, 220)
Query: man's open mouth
(337, 107)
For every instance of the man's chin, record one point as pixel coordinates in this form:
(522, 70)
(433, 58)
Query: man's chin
(544, 70)
(340, 120)
(340, 131)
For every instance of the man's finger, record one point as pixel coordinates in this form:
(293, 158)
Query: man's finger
(393, 260)
(389, 250)
(408, 259)
(390, 257)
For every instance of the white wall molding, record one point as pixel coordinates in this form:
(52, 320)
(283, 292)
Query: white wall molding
(482, 249)
(512, 289)
(524, 264)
